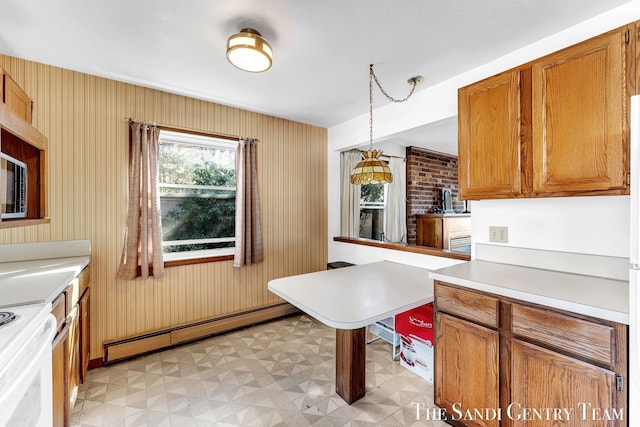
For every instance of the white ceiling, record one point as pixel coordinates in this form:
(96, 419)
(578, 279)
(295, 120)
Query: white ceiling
(322, 48)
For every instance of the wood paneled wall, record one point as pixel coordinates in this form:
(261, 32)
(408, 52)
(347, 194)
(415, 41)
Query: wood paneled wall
(84, 118)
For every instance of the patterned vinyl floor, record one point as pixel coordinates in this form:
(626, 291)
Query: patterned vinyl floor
(280, 373)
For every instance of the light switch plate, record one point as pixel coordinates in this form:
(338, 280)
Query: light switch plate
(498, 234)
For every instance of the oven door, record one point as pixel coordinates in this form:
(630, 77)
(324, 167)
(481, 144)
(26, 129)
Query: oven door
(25, 382)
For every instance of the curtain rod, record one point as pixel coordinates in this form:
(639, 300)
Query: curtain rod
(381, 155)
(187, 130)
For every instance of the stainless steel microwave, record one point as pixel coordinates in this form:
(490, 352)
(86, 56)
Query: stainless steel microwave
(13, 187)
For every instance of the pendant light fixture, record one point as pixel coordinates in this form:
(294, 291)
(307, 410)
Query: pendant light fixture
(248, 51)
(372, 170)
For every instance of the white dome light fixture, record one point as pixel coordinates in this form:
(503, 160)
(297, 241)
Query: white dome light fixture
(248, 51)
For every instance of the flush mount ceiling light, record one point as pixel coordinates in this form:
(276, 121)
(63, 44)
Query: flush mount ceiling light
(248, 51)
(372, 170)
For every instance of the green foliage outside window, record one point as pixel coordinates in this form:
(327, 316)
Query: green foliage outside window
(197, 213)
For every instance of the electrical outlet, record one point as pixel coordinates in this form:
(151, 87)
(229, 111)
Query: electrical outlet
(498, 234)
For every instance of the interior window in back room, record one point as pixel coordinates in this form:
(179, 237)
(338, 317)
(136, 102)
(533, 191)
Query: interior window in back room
(197, 183)
(372, 211)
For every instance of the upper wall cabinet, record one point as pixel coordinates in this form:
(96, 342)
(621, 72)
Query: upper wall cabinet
(23, 150)
(15, 98)
(557, 126)
(489, 133)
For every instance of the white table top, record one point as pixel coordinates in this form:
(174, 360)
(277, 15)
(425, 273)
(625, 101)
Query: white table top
(592, 296)
(354, 297)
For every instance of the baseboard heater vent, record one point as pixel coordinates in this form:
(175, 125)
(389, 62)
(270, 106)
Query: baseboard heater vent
(125, 348)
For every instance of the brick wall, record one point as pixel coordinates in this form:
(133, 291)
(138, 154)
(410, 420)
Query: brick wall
(427, 173)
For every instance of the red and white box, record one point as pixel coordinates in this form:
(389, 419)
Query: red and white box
(416, 340)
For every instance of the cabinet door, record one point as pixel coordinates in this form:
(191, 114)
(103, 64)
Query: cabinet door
(60, 373)
(16, 99)
(579, 126)
(85, 342)
(466, 367)
(489, 127)
(429, 232)
(541, 378)
(74, 355)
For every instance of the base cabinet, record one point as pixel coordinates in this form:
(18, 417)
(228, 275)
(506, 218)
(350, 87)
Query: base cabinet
(60, 372)
(84, 344)
(442, 231)
(541, 378)
(466, 379)
(532, 365)
(70, 354)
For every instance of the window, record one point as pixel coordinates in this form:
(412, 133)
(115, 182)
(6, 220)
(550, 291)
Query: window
(197, 186)
(372, 211)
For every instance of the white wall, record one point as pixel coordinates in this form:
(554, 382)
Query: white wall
(593, 225)
(597, 225)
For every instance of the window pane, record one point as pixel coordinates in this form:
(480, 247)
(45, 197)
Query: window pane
(371, 223)
(197, 192)
(190, 218)
(372, 193)
(371, 211)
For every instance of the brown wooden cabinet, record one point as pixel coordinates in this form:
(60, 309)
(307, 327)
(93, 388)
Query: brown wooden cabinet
(84, 306)
(23, 142)
(440, 231)
(16, 98)
(541, 378)
(70, 355)
(60, 373)
(508, 355)
(556, 126)
(489, 136)
(467, 371)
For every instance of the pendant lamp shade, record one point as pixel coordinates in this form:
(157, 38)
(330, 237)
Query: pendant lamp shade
(371, 170)
(248, 51)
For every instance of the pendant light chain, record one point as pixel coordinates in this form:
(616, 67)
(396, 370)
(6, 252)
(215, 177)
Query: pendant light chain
(413, 81)
(371, 78)
(372, 170)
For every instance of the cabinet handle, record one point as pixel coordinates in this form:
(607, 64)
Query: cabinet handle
(61, 335)
(619, 382)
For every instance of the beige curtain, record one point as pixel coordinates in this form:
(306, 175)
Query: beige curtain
(142, 252)
(395, 203)
(248, 228)
(349, 195)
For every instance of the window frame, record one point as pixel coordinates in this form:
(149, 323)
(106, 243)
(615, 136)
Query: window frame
(373, 206)
(207, 255)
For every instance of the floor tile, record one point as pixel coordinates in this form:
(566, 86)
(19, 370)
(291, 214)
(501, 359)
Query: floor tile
(280, 373)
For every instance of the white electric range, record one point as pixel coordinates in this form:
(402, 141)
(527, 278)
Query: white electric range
(26, 333)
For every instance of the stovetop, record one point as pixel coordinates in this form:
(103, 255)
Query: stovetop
(7, 317)
(26, 320)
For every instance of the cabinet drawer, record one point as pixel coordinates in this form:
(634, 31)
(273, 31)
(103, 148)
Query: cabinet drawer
(58, 309)
(582, 338)
(467, 304)
(77, 288)
(83, 279)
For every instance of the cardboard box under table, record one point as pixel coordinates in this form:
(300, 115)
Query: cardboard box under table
(416, 340)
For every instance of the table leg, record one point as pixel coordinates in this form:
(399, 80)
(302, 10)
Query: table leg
(350, 363)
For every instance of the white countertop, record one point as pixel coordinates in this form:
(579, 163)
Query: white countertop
(38, 272)
(588, 295)
(354, 297)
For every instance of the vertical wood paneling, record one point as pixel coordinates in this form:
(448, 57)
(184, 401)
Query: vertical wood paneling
(84, 118)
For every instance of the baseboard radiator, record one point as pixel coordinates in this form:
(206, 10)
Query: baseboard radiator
(125, 348)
